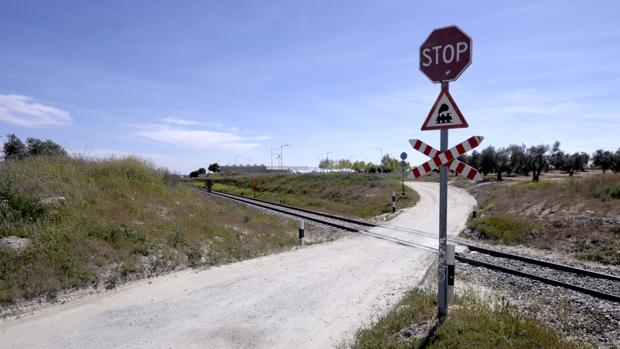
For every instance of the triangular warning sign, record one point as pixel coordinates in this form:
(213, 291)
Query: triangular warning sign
(444, 114)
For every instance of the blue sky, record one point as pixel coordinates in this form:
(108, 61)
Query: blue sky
(188, 83)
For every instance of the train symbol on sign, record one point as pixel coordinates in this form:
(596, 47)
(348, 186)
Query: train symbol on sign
(444, 114)
(443, 117)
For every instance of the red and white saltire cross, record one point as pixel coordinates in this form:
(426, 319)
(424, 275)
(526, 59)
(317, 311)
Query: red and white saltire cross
(447, 158)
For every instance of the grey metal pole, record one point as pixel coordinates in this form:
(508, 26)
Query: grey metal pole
(442, 284)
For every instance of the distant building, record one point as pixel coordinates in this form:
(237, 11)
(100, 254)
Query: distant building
(244, 168)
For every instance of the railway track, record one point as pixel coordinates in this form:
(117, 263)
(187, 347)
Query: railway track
(596, 284)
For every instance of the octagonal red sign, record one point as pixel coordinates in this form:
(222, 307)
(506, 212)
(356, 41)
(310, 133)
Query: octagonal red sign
(445, 54)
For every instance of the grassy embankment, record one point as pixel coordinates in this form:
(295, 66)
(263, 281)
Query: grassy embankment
(348, 194)
(471, 324)
(98, 223)
(580, 216)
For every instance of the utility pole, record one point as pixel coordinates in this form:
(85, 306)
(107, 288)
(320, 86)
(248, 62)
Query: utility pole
(237, 157)
(381, 150)
(281, 160)
(272, 149)
(403, 157)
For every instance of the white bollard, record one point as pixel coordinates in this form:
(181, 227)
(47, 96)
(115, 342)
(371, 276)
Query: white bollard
(393, 202)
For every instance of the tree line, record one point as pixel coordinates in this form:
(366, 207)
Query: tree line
(386, 165)
(214, 167)
(15, 149)
(523, 160)
(512, 160)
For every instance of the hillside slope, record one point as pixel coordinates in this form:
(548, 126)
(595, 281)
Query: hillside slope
(578, 216)
(67, 223)
(348, 194)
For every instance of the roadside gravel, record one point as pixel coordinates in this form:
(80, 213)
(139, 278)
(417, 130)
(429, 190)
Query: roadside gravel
(571, 313)
(599, 284)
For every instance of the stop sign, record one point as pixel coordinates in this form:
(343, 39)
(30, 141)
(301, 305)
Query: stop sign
(445, 54)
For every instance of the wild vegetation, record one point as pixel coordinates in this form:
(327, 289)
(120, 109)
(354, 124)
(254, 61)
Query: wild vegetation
(577, 215)
(349, 194)
(70, 222)
(471, 323)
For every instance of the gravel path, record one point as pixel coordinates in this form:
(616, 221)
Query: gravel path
(312, 297)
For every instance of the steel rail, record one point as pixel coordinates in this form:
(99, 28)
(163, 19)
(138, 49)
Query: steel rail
(472, 247)
(551, 265)
(553, 282)
(318, 213)
(336, 225)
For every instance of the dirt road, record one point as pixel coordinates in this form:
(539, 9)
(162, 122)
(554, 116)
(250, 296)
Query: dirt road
(315, 297)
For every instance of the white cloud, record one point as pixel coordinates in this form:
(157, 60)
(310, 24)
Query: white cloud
(183, 122)
(201, 139)
(24, 111)
(186, 122)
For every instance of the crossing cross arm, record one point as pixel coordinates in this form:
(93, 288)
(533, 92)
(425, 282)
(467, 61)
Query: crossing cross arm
(447, 158)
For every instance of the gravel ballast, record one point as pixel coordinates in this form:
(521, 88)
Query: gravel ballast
(573, 314)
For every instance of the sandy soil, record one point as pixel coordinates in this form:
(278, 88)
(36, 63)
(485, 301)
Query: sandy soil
(313, 297)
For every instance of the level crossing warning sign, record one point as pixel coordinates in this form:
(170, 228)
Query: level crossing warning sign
(444, 114)
(447, 158)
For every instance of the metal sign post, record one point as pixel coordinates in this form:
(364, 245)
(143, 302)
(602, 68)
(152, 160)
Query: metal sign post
(442, 286)
(403, 157)
(444, 55)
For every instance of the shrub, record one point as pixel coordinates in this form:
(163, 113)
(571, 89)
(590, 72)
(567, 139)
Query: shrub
(610, 192)
(505, 228)
(19, 206)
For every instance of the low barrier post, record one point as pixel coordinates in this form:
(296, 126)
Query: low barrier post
(301, 232)
(393, 202)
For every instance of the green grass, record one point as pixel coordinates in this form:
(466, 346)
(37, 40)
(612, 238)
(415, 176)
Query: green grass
(542, 184)
(348, 194)
(120, 219)
(471, 323)
(600, 186)
(597, 251)
(610, 192)
(504, 228)
(552, 209)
